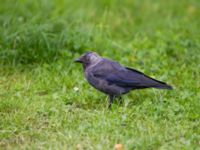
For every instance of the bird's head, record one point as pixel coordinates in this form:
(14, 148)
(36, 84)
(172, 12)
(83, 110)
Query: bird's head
(88, 59)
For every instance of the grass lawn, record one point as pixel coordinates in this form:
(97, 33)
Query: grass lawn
(45, 102)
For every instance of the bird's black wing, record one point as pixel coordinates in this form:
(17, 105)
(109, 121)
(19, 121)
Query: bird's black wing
(116, 74)
(116, 79)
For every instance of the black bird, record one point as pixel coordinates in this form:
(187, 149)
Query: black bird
(113, 79)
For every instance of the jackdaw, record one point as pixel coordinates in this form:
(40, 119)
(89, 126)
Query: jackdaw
(113, 79)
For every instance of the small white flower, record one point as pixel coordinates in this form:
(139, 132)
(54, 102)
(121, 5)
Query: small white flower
(76, 89)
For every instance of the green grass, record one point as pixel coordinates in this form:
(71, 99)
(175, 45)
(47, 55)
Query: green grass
(39, 107)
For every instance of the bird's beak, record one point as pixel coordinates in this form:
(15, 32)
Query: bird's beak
(78, 60)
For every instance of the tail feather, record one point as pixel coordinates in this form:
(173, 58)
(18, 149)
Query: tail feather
(160, 85)
(163, 86)
(149, 82)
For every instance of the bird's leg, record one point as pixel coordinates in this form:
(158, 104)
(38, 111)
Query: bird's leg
(120, 100)
(111, 97)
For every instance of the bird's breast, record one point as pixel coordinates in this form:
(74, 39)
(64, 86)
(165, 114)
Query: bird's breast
(92, 80)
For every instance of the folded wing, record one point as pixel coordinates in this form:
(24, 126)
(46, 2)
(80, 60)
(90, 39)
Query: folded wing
(114, 73)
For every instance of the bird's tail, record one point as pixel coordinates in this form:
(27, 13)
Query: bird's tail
(149, 82)
(161, 85)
